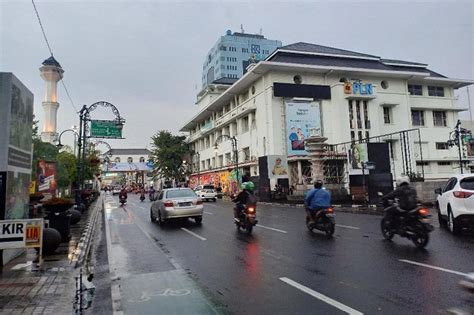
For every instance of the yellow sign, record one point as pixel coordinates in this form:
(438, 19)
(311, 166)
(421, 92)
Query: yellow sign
(347, 88)
(33, 235)
(32, 187)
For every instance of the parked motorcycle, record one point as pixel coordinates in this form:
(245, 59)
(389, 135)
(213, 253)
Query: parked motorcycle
(122, 200)
(413, 225)
(247, 218)
(324, 221)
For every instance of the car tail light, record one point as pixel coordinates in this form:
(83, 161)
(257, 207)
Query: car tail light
(462, 194)
(423, 211)
(168, 203)
(199, 202)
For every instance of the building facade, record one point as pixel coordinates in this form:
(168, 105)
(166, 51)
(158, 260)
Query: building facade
(230, 56)
(128, 167)
(349, 98)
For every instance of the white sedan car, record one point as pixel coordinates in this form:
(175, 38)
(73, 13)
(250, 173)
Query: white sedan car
(456, 203)
(176, 203)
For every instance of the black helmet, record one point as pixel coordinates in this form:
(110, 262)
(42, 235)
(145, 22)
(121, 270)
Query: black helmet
(318, 184)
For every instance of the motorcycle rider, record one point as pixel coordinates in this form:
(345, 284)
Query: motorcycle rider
(152, 193)
(123, 193)
(316, 200)
(242, 198)
(406, 197)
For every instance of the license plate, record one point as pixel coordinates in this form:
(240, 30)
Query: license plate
(184, 204)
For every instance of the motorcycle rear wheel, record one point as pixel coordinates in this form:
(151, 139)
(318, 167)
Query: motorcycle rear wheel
(421, 238)
(249, 229)
(329, 229)
(386, 227)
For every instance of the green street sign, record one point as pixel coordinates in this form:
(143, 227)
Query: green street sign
(105, 129)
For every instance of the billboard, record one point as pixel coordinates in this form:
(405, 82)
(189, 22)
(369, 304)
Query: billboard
(277, 166)
(301, 117)
(46, 177)
(356, 156)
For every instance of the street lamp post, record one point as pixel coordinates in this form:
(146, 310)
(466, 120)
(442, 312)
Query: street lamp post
(198, 165)
(234, 149)
(456, 138)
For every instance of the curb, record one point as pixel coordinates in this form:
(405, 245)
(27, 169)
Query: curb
(83, 248)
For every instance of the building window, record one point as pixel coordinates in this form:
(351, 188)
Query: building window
(130, 159)
(387, 115)
(246, 154)
(223, 48)
(436, 91)
(228, 159)
(245, 124)
(417, 118)
(297, 79)
(442, 146)
(439, 118)
(117, 159)
(415, 89)
(142, 159)
(384, 84)
(245, 50)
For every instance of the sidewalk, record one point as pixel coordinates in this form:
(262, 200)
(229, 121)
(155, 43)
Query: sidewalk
(51, 290)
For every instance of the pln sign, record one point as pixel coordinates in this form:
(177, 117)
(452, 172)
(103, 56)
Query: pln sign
(358, 88)
(21, 233)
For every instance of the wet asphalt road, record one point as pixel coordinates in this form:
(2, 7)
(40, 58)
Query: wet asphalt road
(284, 269)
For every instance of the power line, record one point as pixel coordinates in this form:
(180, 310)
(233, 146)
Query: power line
(42, 28)
(51, 52)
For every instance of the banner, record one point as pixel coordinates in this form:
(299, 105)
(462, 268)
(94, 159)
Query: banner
(46, 177)
(277, 166)
(356, 156)
(300, 119)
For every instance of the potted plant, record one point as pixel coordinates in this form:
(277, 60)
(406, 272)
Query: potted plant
(58, 204)
(36, 197)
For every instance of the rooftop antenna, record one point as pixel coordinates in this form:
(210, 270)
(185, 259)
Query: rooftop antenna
(242, 28)
(261, 31)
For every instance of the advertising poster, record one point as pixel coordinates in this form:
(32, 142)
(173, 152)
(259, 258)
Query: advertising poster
(356, 156)
(300, 119)
(17, 198)
(3, 193)
(277, 166)
(46, 177)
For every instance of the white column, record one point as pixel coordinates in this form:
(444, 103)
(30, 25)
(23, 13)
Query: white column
(300, 173)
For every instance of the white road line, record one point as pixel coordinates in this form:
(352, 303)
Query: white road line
(270, 228)
(348, 227)
(321, 297)
(208, 213)
(433, 267)
(194, 234)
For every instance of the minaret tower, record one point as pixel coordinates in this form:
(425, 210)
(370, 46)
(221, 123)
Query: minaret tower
(51, 72)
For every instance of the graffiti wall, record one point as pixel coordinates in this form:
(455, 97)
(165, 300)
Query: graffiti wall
(227, 180)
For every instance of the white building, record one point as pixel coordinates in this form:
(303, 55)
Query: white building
(348, 96)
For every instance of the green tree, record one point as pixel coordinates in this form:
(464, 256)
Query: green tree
(66, 169)
(167, 154)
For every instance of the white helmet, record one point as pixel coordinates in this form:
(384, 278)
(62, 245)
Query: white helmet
(403, 180)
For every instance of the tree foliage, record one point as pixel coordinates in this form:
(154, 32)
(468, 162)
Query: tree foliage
(167, 154)
(66, 169)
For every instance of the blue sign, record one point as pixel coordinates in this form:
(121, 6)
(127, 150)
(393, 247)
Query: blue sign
(358, 88)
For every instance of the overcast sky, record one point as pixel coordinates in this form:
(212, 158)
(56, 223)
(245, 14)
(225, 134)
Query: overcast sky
(146, 57)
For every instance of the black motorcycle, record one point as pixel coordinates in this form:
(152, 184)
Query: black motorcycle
(142, 197)
(151, 195)
(324, 221)
(413, 225)
(122, 199)
(247, 218)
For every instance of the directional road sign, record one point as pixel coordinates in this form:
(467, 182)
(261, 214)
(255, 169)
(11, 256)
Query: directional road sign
(105, 129)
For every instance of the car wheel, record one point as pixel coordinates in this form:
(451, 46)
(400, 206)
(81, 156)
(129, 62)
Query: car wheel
(441, 220)
(452, 226)
(198, 220)
(152, 217)
(160, 220)
(215, 199)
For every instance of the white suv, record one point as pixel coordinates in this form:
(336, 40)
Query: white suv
(208, 194)
(456, 203)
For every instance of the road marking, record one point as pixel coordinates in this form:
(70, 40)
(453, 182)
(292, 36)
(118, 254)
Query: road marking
(433, 267)
(208, 213)
(270, 228)
(321, 297)
(194, 234)
(348, 227)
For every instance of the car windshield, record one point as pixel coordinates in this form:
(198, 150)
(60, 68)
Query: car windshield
(467, 183)
(180, 193)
